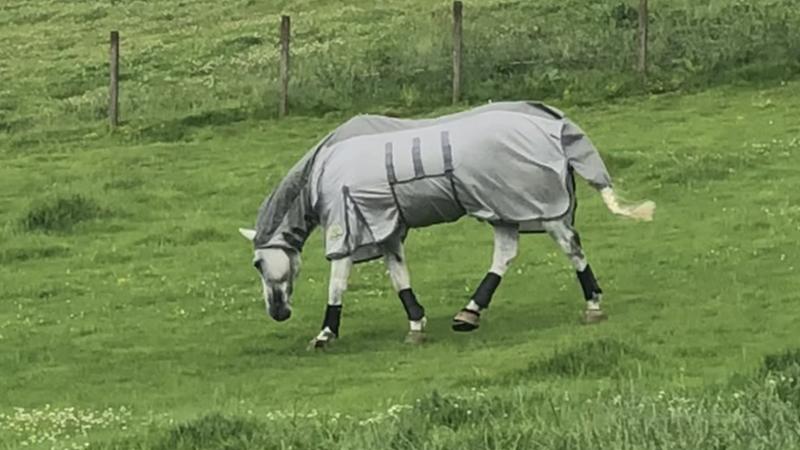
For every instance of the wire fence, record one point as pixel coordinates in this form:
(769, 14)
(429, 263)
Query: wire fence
(595, 52)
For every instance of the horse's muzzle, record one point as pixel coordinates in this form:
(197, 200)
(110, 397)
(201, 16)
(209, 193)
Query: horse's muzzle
(281, 313)
(279, 309)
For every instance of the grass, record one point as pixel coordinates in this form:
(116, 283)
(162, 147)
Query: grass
(61, 213)
(186, 65)
(152, 314)
(603, 357)
(131, 317)
(753, 415)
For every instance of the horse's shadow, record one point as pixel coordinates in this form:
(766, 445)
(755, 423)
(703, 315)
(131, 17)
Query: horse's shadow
(500, 325)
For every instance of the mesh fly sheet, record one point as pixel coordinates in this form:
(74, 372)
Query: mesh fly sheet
(375, 177)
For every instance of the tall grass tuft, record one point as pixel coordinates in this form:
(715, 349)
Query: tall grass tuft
(214, 431)
(596, 358)
(785, 368)
(61, 213)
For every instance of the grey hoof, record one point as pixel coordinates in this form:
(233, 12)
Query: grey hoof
(466, 320)
(591, 316)
(415, 338)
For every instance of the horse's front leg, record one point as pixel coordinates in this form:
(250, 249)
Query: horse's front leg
(340, 272)
(506, 242)
(394, 256)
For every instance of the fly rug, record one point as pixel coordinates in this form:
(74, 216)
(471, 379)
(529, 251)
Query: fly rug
(368, 182)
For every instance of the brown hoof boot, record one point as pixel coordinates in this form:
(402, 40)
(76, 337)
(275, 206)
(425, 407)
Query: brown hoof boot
(591, 316)
(466, 320)
(415, 338)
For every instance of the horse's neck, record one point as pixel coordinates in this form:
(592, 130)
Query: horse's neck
(286, 218)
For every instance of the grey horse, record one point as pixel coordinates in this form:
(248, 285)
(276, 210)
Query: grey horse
(371, 180)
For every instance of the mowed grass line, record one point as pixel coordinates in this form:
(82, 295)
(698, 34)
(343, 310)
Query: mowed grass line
(153, 306)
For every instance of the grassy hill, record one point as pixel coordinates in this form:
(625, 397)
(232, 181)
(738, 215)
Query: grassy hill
(131, 318)
(188, 64)
(125, 286)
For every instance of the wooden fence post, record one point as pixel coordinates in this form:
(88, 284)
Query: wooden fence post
(643, 22)
(283, 108)
(113, 98)
(457, 49)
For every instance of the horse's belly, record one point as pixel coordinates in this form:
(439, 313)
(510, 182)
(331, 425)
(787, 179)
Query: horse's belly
(427, 201)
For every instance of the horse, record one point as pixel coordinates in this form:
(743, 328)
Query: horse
(371, 180)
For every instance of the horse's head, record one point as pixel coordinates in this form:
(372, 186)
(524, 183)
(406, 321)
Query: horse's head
(278, 269)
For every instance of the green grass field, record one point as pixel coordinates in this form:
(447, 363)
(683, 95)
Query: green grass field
(150, 307)
(186, 64)
(131, 317)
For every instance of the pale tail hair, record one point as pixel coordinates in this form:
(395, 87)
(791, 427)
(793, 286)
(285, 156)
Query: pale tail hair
(641, 211)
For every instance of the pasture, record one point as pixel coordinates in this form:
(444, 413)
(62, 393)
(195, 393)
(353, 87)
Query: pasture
(150, 306)
(131, 317)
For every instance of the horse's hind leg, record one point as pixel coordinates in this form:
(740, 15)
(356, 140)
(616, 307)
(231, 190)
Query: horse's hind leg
(394, 256)
(569, 241)
(506, 239)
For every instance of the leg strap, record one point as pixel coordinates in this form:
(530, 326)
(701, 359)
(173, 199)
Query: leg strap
(332, 315)
(591, 290)
(414, 310)
(483, 295)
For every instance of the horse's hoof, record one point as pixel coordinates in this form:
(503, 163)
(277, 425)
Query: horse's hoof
(414, 338)
(591, 316)
(466, 320)
(321, 342)
(318, 344)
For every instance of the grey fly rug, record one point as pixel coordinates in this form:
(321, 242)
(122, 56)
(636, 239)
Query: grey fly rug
(375, 177)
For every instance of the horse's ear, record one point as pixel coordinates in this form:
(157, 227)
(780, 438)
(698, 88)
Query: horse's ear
(248, 233)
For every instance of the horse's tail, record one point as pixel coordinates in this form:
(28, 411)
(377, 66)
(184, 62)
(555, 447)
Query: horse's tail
(642, 211)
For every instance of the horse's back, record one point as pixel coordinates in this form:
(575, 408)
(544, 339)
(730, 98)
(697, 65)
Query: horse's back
(497, 166)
